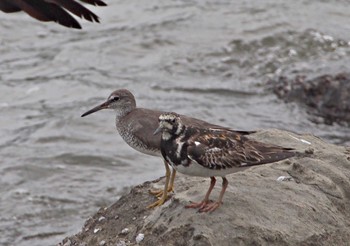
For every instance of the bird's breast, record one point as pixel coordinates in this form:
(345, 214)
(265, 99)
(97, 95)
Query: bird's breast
(175, 152)
(136, 143)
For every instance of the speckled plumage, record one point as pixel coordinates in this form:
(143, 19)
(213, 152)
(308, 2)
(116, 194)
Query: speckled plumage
(210, 151)
(136, 125)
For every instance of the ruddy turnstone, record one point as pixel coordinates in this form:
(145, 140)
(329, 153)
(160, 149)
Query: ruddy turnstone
(210, 151)
(136, 126)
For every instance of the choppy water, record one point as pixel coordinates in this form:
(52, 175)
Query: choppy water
(208, 59)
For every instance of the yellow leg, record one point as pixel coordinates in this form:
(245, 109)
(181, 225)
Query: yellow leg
(159, 192)
(172, 179)
(164, 194)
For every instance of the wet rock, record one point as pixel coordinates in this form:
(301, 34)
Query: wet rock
(326, 96)
(312, 208)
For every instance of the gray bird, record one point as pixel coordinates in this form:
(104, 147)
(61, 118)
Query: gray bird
(208, 151)
(136, 126)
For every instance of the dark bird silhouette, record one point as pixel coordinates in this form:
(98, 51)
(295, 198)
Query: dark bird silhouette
(53, 10)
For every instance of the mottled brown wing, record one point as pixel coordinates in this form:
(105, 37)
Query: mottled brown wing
(222, 149)
(268, 152)
(215, 150)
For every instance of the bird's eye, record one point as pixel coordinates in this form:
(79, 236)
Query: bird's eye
(115, 98)
(173, 120)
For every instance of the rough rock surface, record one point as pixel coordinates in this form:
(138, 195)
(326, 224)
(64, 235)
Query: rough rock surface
(325, 96)
(310, 206)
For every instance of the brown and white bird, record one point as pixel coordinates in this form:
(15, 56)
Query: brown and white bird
(53, 10)
(210, 151)
(136, 126)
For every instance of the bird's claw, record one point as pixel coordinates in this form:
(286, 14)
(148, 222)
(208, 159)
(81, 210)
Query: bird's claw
(159, 192)
(204, 206)
(156, 192)
(158, 203)
(210, 207)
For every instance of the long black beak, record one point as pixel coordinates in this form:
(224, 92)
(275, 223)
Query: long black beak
(97, 108)
(158, 130)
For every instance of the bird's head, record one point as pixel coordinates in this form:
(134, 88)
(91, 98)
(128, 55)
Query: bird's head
(121, 101)
(170, 124)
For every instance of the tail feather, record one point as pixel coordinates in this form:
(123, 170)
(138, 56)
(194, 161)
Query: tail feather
(270, 153)
(277, 156)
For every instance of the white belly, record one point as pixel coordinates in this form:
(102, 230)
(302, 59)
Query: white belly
(195, 169)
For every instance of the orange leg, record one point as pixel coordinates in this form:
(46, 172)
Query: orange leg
(201, 205)
(210, 207)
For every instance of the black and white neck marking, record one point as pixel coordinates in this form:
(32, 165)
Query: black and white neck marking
(171, 126)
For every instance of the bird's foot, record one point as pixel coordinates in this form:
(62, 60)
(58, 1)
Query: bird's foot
(159, 202)
(210, 207)
(156, 192)
(204, 206)
(199, 205)
(159, 192)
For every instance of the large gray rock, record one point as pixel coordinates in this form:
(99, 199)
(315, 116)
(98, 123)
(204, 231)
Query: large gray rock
(325, 96)
(311, 206)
